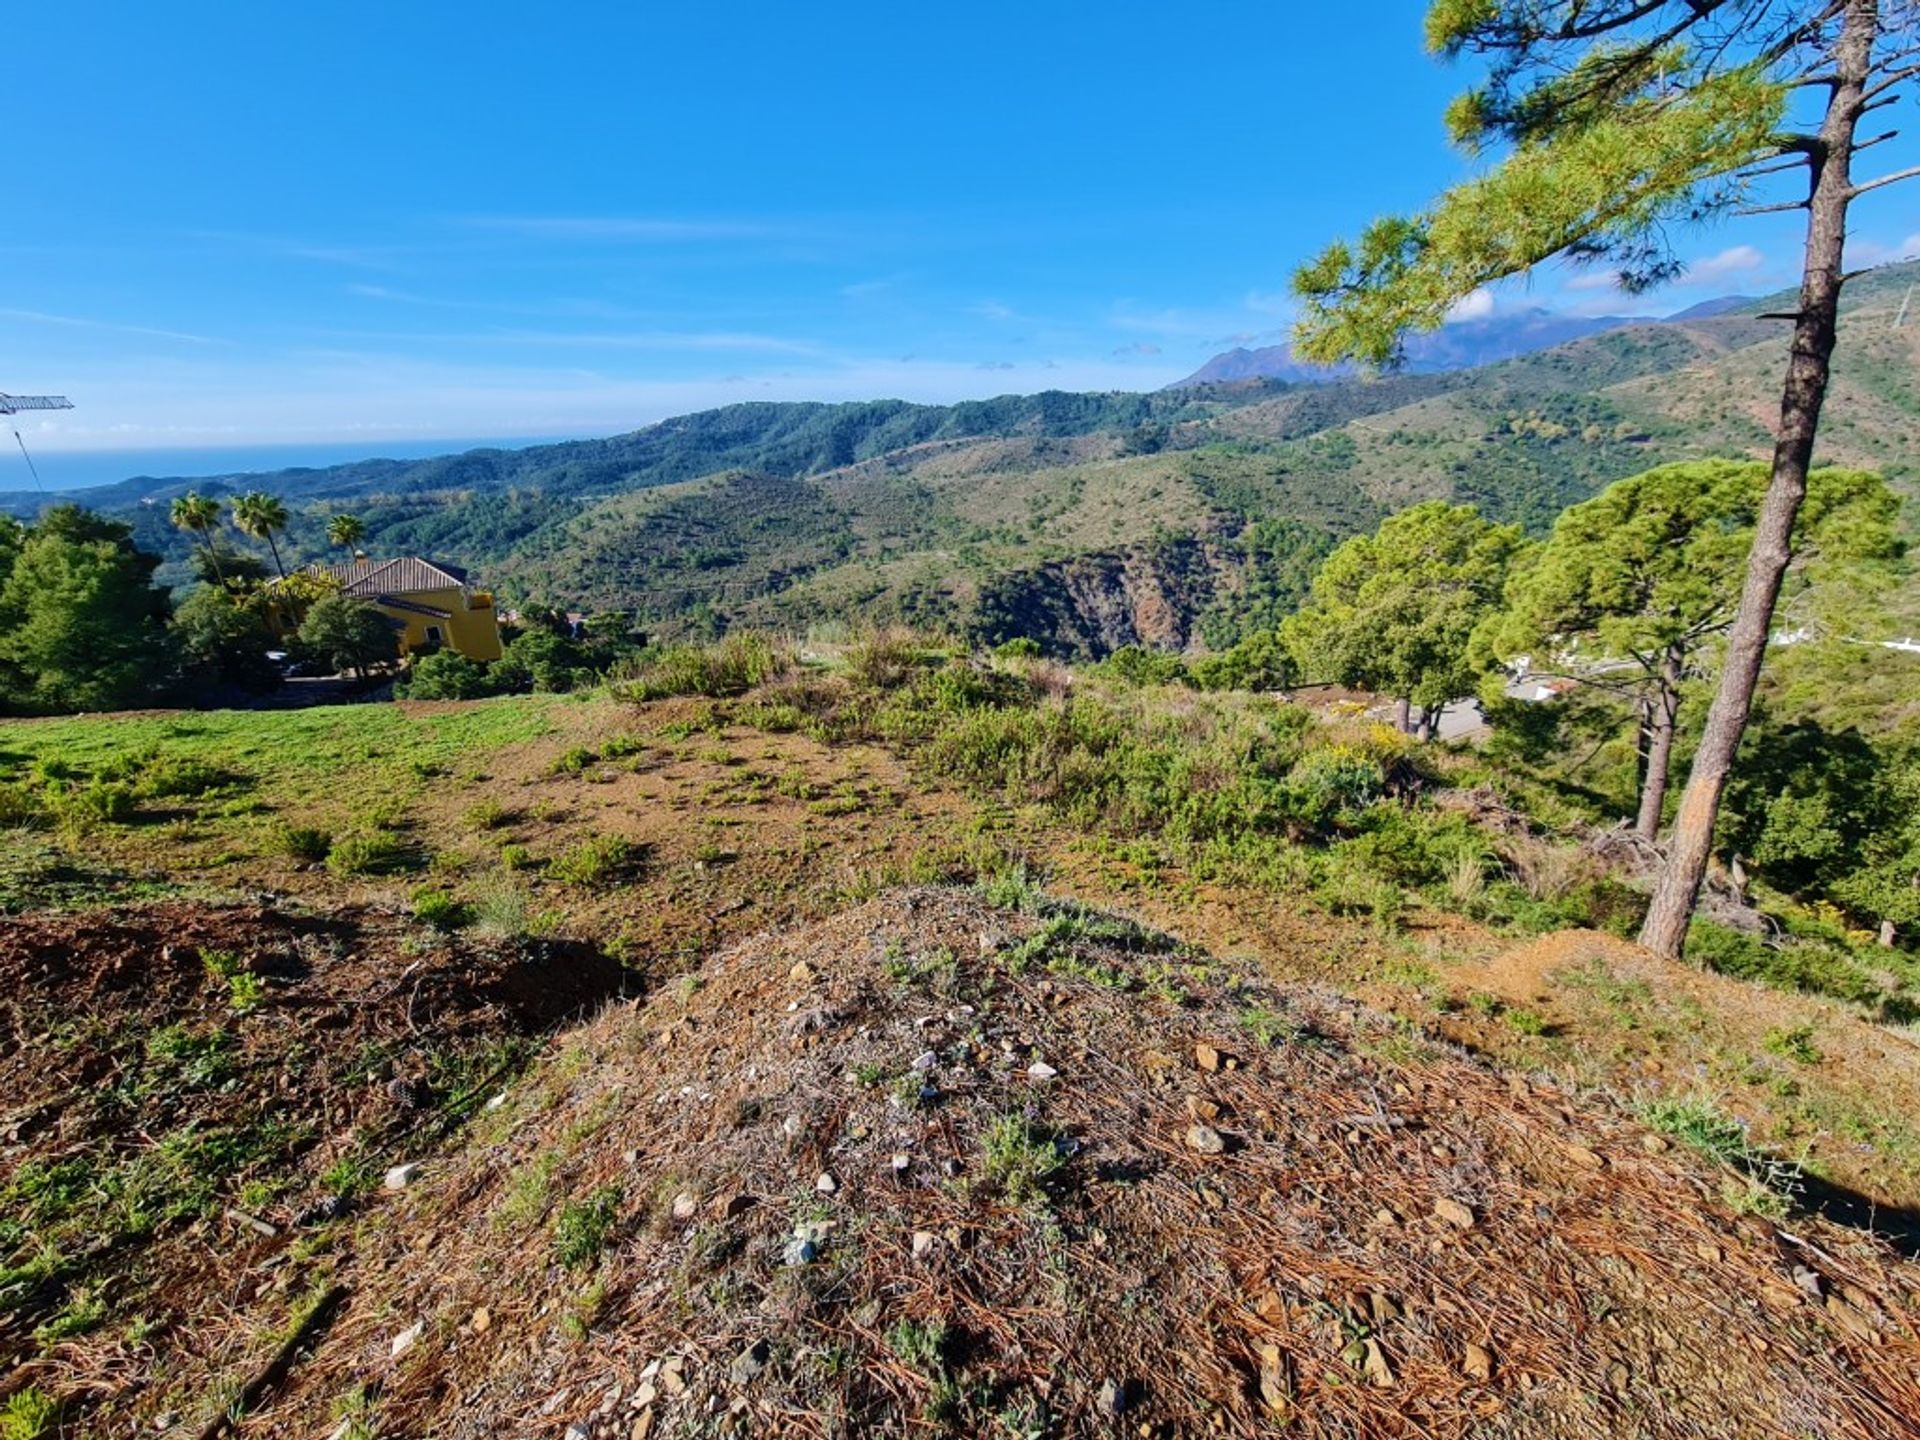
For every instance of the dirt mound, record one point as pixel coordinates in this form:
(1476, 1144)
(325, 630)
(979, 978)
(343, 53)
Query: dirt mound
(933, 1167)
(187, 1091)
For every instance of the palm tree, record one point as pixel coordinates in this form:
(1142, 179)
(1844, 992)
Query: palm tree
(258, 514)
(345, 531)
(199, 515)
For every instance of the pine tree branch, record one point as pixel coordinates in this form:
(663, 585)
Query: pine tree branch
(1748, 210)
(1776, 168)
(1889, 81)
(1879, 139)
(1895, 178)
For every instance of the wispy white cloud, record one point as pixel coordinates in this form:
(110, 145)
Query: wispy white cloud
(864, 289)
(1211, 327)
(1138, 347)
(993, 310)
(1863, 252)
(665, 340)
(638, 229)
(1584, 280)
(1725, 267)
(1477, 305)
(326, 252)
(40, 317)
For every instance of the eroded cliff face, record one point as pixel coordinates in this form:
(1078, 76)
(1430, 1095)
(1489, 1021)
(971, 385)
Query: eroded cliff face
(1088, 606)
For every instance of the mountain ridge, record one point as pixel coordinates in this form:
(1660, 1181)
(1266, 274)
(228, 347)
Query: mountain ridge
(1175, 517)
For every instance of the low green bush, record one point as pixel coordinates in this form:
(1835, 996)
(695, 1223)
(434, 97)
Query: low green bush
(1815, 966)
(732, 667)
(572, 761)
(302, 842)
(595, 861)
(375, 853)
(449, 675)
(583, 1227)
(20, 807)
(885, 660)
(1137, 665)
(488, 814)
(178, 777)
(440, 910)
(97, 802)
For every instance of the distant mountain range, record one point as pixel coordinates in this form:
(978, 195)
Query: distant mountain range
(1180, 517)
(1460, 345)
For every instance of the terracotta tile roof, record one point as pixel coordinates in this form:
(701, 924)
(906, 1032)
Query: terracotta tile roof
(367, 579)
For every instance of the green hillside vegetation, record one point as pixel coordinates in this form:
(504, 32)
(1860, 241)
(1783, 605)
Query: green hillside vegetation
(785, 515)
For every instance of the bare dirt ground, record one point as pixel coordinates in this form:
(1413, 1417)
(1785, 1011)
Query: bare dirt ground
(930, 1166)
(190, 1095)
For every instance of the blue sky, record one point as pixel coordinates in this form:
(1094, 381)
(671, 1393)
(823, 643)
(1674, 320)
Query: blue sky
(361, 223)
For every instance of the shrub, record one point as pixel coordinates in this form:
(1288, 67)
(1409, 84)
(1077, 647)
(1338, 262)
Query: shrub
(1137, 665)
(28, 1414)
(488, 814)
(884, 660)
(1259, 662)
(935, 697)
(1348, 886)
(1021, 647)
(245, 991)
(376, 853)
(448, 675)
(1020, 1157)
(1792, 1042)
(732, 667)
(583, 1227)
(176, 776)
(439, 909)
(572, 761)
(516, 857)
(302, 842)
(97, 802)
(19, 807)
(1333, 784)
(1814, 966)
(593, 861)
(501, 908)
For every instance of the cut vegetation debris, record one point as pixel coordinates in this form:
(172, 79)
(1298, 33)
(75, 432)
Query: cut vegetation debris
(1391, 1239)
(194, 1103)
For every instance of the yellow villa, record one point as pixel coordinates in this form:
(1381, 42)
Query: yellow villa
(430, 606)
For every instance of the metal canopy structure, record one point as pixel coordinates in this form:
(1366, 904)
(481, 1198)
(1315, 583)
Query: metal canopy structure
(14, 404)
(11, 405)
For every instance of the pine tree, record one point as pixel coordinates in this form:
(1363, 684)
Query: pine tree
(1618, 122)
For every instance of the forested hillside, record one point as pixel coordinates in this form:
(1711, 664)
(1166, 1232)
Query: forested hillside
(1173, 519)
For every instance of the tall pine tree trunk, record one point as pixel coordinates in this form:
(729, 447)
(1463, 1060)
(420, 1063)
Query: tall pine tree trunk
(1658, 726)
(1808, 367)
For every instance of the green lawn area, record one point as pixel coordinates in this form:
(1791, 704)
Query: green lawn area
(284, 751)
